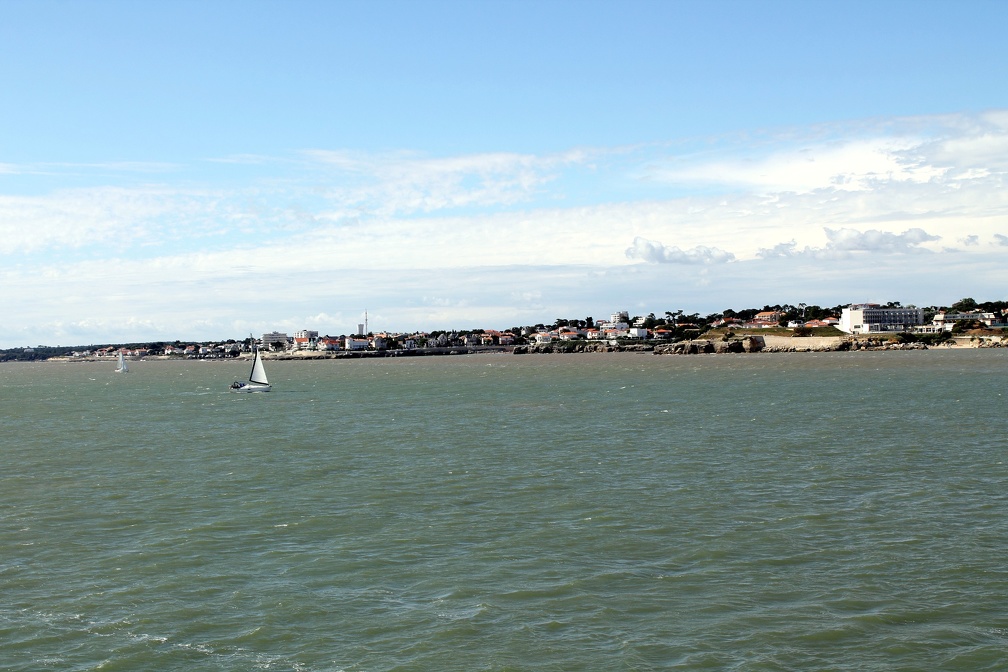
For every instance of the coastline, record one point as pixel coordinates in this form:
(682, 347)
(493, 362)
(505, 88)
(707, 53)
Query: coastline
(749, 344)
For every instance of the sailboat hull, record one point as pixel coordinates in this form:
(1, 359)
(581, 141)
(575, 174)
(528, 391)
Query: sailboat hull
(239, 386)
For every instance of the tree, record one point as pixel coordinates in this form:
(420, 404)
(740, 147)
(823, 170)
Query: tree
(964, 305)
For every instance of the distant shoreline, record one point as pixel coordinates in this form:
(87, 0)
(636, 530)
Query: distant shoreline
(750, 344)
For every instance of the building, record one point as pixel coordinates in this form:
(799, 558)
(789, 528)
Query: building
(351, 343)
(328, 344)
(945, 321)
(870, 318)
(769, 317)
(274, 337)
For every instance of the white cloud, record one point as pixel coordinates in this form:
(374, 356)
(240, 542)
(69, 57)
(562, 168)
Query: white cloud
(656, 253)
(852, 164)
(405, 183)
(114, 217)
(878, 241)
(842, 242)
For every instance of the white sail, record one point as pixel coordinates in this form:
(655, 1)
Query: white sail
(123, 366)
(258, 372)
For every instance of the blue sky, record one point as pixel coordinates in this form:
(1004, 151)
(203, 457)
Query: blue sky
(200, 170)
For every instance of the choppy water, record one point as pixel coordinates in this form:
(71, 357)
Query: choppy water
(840, 511)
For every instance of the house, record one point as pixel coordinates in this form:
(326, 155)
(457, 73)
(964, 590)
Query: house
(569, 334)
(328, 344)
(354, 343)
(947, 320)
(774, 316)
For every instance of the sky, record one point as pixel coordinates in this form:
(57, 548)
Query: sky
(204, 170)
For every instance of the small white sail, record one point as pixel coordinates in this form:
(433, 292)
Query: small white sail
(258, 372)
(123, 366)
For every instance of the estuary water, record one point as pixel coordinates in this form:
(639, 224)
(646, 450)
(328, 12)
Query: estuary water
(803, 511)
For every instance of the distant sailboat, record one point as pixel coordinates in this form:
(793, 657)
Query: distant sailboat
(257, 381)
(123, 366)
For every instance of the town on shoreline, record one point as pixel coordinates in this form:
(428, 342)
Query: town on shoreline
(771, 329)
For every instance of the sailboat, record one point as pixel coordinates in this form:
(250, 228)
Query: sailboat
(123, 366)
(257, 381)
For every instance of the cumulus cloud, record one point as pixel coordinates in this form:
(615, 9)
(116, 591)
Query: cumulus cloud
(780, 251)
(655, 253)
(1001, 239)
(878, 241)
(843, 241)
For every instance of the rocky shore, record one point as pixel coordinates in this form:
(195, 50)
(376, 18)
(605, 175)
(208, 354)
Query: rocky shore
(758, 343)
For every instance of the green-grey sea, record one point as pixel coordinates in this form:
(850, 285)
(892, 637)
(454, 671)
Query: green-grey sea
(803, 511)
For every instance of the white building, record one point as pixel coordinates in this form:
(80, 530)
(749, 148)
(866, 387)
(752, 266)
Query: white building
(946, 321)
(351, 343)
(870, 318)
(274, 337)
